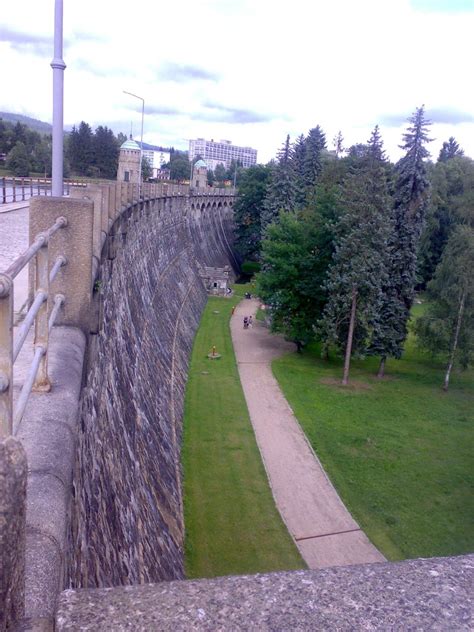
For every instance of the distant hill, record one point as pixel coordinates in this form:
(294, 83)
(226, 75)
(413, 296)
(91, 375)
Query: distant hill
(34, 124)
(46, 128)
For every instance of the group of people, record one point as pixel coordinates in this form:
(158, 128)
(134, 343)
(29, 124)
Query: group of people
(248, 322)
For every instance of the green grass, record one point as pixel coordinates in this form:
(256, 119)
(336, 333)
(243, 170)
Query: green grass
(399, 451)
(232, 524)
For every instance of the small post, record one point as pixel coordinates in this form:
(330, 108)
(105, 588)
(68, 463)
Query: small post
(42, 382)
(4, 187)
(6, 356)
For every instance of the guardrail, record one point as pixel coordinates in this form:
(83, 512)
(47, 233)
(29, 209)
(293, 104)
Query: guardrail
(90, 215)
(10, 348)
(22, 189)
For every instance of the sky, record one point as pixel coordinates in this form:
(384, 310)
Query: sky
(250, 71)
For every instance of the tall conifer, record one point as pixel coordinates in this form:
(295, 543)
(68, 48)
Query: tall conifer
(281, 192)
(410, 203)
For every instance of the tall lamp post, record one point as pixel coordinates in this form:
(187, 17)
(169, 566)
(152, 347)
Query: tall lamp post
(141, 139)
(58, 67)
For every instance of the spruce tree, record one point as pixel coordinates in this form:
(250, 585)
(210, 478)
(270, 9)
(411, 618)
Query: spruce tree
(408, 214)
(449, 150)
(358, 271)
(281, 192)
(299, 153)
(315, 145)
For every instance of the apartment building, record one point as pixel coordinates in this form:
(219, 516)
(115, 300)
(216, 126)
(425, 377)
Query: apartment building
(221, 152)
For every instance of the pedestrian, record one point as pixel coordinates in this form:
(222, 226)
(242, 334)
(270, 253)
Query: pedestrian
(246, 322)
(250, 321)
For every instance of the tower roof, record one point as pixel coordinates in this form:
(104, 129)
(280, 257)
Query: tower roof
(200, 164)
(130, 144)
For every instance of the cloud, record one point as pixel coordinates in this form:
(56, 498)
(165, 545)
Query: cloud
(449, 116)
(98, 70)
(163, 110)
(184, 72)
(443, 6)
(21, 41)
(224, 114)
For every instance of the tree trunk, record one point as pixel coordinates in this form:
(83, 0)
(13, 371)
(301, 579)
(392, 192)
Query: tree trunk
(381, 372)
(455, 341)
(350, 336)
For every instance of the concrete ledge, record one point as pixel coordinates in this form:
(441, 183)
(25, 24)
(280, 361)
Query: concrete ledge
(432, 594)
(48, 434)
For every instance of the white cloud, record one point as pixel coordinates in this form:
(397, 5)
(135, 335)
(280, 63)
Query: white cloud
(289, 66)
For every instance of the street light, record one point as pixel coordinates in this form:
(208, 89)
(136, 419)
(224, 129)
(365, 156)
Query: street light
(58, 67)
(141, 139)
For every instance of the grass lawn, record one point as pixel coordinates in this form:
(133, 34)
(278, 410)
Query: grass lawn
(399, 451)
(232, 524)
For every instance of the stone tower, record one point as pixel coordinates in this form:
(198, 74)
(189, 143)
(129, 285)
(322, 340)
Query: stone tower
(199, 175)
(129, 162)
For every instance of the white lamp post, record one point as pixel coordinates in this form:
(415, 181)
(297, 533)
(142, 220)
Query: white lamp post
(58, 67)
(141, 139)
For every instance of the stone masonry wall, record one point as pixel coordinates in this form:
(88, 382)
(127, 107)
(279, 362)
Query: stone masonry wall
(127, 520)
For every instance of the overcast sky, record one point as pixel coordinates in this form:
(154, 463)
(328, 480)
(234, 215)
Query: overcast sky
(250, 71)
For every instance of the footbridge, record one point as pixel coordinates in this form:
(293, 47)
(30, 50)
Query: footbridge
(91, 398)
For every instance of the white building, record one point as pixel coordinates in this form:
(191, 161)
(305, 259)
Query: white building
(222, 152)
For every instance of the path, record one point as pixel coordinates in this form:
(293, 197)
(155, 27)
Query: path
(324, 531)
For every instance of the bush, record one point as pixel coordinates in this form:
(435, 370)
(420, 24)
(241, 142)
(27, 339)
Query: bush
(250, 268)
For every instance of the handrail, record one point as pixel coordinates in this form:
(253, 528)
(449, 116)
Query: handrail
(37, 314)
(120, 197)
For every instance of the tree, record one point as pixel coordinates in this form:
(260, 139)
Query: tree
(447, 327)
(408, 214)
(248, 209)
(450, 149)
(290, 280)
(220, 174)
(105, 152)
(18, 160)
(281, 191)
(147, 169)
(210, 177)
(315, 144)
(338, 142)
(180, 167)
(452, 183)
(358, 271)
(80, 149)
(298, 158)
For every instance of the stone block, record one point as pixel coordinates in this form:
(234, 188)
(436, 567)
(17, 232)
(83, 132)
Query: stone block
(75, 241)
(13, 473)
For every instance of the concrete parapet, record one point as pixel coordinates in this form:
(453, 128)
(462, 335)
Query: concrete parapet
(13, 473)
(48, 433)
(433, 594)
(75, 242)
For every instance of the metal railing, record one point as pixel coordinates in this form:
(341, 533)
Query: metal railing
(41, 306)
(22, 189)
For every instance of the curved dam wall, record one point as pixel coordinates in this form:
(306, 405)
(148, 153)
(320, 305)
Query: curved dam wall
(126, 516)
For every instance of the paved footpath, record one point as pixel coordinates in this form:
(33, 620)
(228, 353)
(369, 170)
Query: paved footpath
(323, 529)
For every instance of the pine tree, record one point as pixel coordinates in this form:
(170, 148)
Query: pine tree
(248, 209)
(358, 271)
(281, 192)
(449, 150)
(338, 142)
(299, 153)
(315, 145)
(105, 152)
(408, 214)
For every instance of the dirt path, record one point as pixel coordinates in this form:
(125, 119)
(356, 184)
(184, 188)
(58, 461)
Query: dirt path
(323, 529)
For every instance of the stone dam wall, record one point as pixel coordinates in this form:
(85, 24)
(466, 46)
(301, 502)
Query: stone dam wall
(126, 522)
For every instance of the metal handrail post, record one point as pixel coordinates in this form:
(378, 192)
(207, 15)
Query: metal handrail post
(42, 382)
(6, 356)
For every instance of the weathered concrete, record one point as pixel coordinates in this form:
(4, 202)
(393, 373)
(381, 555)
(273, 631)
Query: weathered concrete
(13, 473)
(48, 433)
(324, 531)
(127, 524)
(433, 594)
(75, 242)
